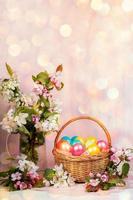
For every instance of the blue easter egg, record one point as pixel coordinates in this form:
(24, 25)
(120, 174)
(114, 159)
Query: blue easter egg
(74, 137)
(66, 138)
(73, 142)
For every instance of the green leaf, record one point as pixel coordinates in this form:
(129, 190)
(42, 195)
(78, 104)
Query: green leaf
(33, 155)
(59, 68)
(25, 109)
(49, 174)
(12, 170)
(107, 186)
(125, 169)
(39, 184)
(9, 70)
(45, 101)
(3, 174)
(87, 179)
(116, 181)
(49, 114)
(24, 130)
(42, 77)
(33, 78)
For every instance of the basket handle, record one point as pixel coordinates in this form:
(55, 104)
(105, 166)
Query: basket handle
(80, 118)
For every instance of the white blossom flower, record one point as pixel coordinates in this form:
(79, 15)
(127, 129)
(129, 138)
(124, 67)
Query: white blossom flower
(8, 122)
(59, 170)
(10, 89)
(129, 153)
(39, 126)
(28, 100)
(21, 119)
(61, 183)
(119, 153)
(38, 89)
(70, 180)
(46, 183)
(10, 113)
(51, 124)
(61, 179)
(55, 106)
(94, 182)
(24, 164)
(115, 159)
(32, 167)
(16, 176)
(22, 157)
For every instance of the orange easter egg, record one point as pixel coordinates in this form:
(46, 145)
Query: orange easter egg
(63, 146)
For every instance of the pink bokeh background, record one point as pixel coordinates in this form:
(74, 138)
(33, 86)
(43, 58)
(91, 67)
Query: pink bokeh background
(93, 40)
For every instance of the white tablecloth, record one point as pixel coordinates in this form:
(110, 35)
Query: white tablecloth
(76, 192)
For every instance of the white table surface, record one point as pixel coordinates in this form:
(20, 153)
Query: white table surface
(73, 193)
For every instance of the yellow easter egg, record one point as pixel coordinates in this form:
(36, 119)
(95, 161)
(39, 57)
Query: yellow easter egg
(93, 150)
(90, 141)
(81, 139)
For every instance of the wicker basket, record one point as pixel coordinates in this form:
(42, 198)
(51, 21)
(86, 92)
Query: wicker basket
(80, 166)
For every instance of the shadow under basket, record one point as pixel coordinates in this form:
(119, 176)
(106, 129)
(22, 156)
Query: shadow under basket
(80, 166)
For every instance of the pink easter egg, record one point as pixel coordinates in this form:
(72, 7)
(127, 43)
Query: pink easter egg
(77, 149)
(103, 145)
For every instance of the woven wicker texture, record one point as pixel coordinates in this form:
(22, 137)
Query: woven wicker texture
(81, 166)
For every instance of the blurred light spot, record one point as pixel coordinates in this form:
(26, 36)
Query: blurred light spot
(65, 30)
(14, 50)
(37, 40)
(79, 52)
(81, 110)
(101, 7)
(14, 13)
(82, 2)
(25, 67)
(55, 2)
(25, 45)
(101, 83)
(125, 35)
(105, 9)
(113, 93)
(131, 27)
(96, 4)
(48, 66)
(40, 20)
(29, 15)
(125, 195)
(102, 34)
(93, 92)
(55, 21)
(43, 59)
(11, 39)
(127, 5)
(3, 31)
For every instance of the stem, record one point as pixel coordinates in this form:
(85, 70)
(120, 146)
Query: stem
(29, 147)
(33, 151)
